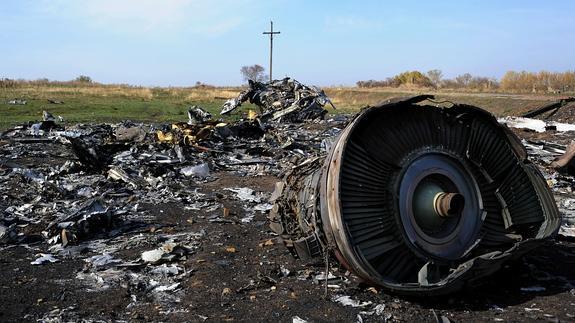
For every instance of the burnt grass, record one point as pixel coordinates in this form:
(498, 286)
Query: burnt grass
(236, 275)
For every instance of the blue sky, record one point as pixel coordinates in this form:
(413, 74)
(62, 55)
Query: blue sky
(179, 42)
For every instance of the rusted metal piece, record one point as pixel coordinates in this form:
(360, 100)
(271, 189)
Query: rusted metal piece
(483, 203)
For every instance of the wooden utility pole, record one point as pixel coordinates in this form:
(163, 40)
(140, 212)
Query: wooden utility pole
(271, 33)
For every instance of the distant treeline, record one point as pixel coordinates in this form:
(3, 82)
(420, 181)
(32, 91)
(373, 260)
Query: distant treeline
(538, 82)
(82, 80)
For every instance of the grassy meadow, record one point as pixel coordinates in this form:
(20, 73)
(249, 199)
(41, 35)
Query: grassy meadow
(111, 103)
(107, 103)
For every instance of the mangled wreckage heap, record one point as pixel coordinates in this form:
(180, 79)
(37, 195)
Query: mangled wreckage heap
(135, 202)
(418, 199)
(415, 198)
(282, 100)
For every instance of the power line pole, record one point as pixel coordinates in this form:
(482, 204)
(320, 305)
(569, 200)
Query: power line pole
(271, 33)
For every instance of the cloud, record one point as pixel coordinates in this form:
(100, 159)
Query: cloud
(142, 16)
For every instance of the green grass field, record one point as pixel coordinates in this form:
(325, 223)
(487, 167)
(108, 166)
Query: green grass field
(102, 104)
(116, 103)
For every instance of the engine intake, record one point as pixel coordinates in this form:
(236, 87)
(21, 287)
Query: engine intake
(417, 199)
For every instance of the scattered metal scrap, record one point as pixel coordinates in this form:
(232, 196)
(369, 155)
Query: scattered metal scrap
(556, 161)
(552, 108)
(95, 192)
(117, 162)
(556, 116)
(536, 124)
(418, 199)
(198, 115)
(17, 101)
(89, 198)
(202, 128)
(285, 99)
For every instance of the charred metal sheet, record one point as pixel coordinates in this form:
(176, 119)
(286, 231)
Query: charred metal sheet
(285, 99)
(554, 107)
(197, 115)
(418, 199)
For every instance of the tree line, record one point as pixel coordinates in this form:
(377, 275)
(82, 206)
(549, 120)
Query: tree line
(512, 81)
(536, 82)
(7, 83)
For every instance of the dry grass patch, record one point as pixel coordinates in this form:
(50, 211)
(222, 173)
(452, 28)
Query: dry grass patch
(100, 91)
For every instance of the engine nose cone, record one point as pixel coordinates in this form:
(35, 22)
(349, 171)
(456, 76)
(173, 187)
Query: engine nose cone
(448, 204)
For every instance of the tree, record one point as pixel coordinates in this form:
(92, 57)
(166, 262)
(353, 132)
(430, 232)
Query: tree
(435, 77)
(83, 79)
(464, 79)
(254, 72)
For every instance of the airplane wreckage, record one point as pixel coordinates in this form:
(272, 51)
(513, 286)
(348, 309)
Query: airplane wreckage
(409, 196)
(417, 199)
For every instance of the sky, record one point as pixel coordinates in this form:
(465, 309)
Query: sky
(322, 42)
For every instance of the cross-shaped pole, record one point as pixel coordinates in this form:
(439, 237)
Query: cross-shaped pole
(271, 33)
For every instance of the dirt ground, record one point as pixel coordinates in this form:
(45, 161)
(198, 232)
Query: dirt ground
(240, 272)
(29, 292)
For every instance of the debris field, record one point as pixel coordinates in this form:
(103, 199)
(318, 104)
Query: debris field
(169, 222)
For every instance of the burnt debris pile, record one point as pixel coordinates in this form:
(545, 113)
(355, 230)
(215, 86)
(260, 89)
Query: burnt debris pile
(91, 192)
(109, 169)
(416, 198)
(282, 100)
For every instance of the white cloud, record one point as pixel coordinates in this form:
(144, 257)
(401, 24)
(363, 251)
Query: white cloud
(140, 16)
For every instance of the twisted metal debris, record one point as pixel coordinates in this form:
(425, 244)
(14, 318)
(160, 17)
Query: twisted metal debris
(374, 203)
(285, 99)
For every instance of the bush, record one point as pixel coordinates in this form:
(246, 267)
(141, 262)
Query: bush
(84, 79)
(410, 78)
(413, 78)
